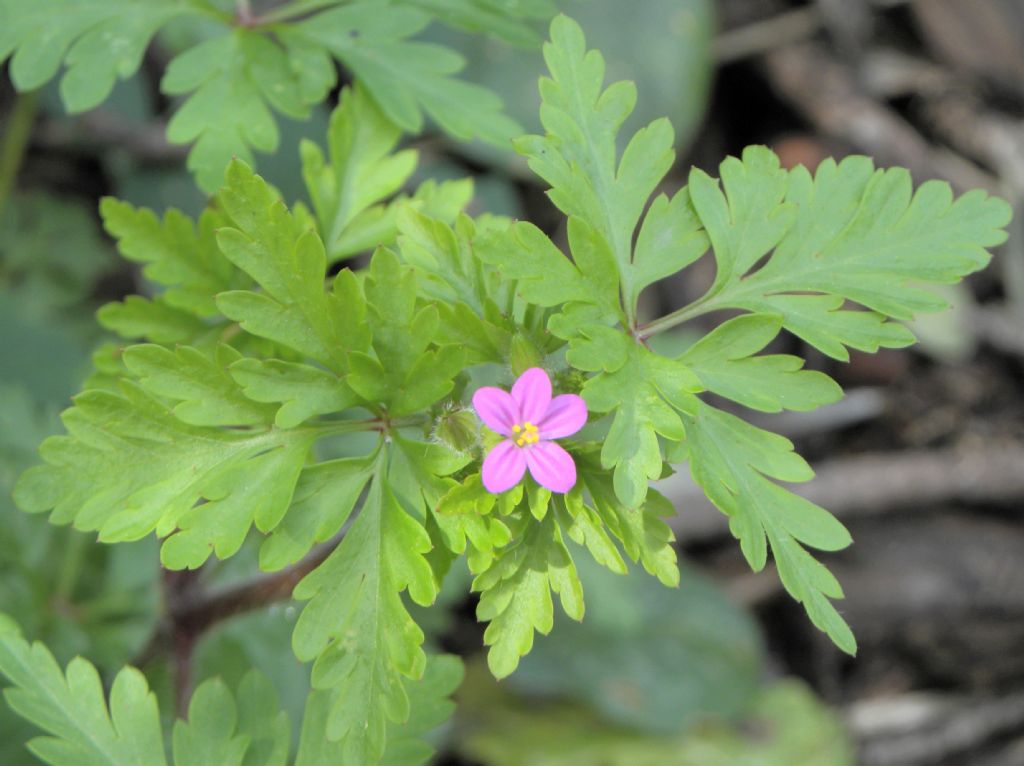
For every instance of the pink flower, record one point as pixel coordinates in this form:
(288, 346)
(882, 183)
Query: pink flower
(530, 418)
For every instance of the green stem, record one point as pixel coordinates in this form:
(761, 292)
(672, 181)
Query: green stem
(19, 128)
(74, 555)
(667, 322)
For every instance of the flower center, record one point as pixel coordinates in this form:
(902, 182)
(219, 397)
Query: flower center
(526, 434)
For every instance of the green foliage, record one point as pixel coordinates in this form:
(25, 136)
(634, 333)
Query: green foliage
(179, 255)
(847, 233)
(232, 84)
(790, 248)
(428, 704)
(98, 41)
(278, 399)
(726, 364)
(516, 593)
(84, 727)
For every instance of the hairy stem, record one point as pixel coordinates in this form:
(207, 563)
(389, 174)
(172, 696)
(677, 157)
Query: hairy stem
(16, 138)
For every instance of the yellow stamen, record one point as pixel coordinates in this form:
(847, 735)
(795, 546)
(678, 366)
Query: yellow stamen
(527, 433)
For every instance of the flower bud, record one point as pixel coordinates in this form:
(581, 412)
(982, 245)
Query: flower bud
(457, 429)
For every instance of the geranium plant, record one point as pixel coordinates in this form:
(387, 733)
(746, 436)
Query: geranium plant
(268, 394)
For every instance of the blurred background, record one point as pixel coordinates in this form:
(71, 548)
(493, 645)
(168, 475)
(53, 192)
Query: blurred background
(923, 460)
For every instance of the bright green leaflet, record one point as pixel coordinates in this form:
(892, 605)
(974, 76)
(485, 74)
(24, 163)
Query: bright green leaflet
(847, 233)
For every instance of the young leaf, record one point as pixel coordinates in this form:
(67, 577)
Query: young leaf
(83, 728)
(644, 536)
(643, 390)
(363, 169)
(515, 593)
(735, 462)
(448, 271)
(848, 233)
(405, 375)
(725, 363)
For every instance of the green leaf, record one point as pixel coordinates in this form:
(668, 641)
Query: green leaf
(362, 172)
(670, 239)
(151, 319)
(578, 155)
(128, 467)
(405, 375)
(644, 391)
(406, 78)
(847, 233)
(200, 381)
(734, 463)
(83, 728)
(508, 21)
(208, 735)
(356, 626)
(725, 363)
(289, 263)
(303, 391)
(253, 732)
(324, 498)
(262, 720)
(429, 707)
(233, 81)
(176, 253)
(448, 271)
(515, 593)
(99, 41)
(644, 536)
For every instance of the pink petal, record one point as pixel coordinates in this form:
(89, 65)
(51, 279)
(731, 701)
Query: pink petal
(566, 415)
(551, 466)
(532, 393)
(504, 466)
(496, 408)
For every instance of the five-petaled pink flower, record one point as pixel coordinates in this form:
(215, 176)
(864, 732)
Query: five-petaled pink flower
(530, 418)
